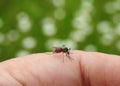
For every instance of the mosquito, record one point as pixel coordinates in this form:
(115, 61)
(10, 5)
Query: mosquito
(65, 50)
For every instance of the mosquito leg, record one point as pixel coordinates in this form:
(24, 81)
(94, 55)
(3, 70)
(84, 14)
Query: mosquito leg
(67, 54)
(63, 57)
(69, 51)
(63, 45)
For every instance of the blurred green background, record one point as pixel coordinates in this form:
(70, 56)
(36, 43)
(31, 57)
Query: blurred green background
(33, 26)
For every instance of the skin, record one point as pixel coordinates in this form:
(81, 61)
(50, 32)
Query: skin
(44, 69)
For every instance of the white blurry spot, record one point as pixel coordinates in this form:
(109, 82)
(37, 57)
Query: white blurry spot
(29, 43)
(87, 6)
(117, 5)
(110, 7)
(87, 31)
(2, 38)
(59, 14)
(90, 47)
(58, 3)
(117, 30)
(70, 44)
(13, 35)
(104, 27)
(116, 18)
(1, 23)
(24, 22)
(50, 44)
(118, 45)
(78, 36)
(107, 39)
(81, 21)
(22, 53)
(49, 27)
(77, 23)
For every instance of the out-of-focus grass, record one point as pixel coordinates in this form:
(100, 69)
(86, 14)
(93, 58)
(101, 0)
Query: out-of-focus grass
(33, 26)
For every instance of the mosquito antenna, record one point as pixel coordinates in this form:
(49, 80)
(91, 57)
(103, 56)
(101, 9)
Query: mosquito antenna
(63, 46)
(69, 48)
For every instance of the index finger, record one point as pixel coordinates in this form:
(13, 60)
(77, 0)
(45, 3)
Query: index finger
(87, 68)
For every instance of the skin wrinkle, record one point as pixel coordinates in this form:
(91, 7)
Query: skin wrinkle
(88, 72)
(105, 81)
(81, 75)
(17, 70)
(29, 71)
(102, 76)
(33, 73)
(12, 75)
(16, 83)
(87, 76)
(88, 80)
(8, 77)
(31, 77)
(20, 70)
(19, 81)
(85, 79)
(38, 79)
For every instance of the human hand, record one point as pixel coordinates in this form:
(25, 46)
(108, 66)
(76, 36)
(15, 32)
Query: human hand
(86, 69)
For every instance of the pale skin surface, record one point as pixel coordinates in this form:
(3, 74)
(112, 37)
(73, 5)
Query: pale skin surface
(86, 69)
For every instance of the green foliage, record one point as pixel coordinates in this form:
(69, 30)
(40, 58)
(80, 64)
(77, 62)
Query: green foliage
(33, 26)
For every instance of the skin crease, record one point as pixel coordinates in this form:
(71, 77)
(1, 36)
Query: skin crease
(43, 69)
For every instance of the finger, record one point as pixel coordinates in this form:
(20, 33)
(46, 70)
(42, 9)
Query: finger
(86, 69)
(43, 70)
(99, 69)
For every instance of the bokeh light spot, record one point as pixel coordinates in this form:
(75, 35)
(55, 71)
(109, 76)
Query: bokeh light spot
(117, 30)
(2, 38)
(87, 5)
(70, 44)
(116, 18)
(29, 43)
(59, 43)
(22, 53)
(90, 47)
(58, 3)
(49, 28)
(104, 27)
(24, 22)
(78, 36)
(110, 7)
(1, 23)
(118, 45)
(107, 39)
(53, 43)
(117, 5)
(13, 35)
(59, 14)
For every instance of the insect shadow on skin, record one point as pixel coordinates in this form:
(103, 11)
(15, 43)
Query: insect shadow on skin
(63, 50)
